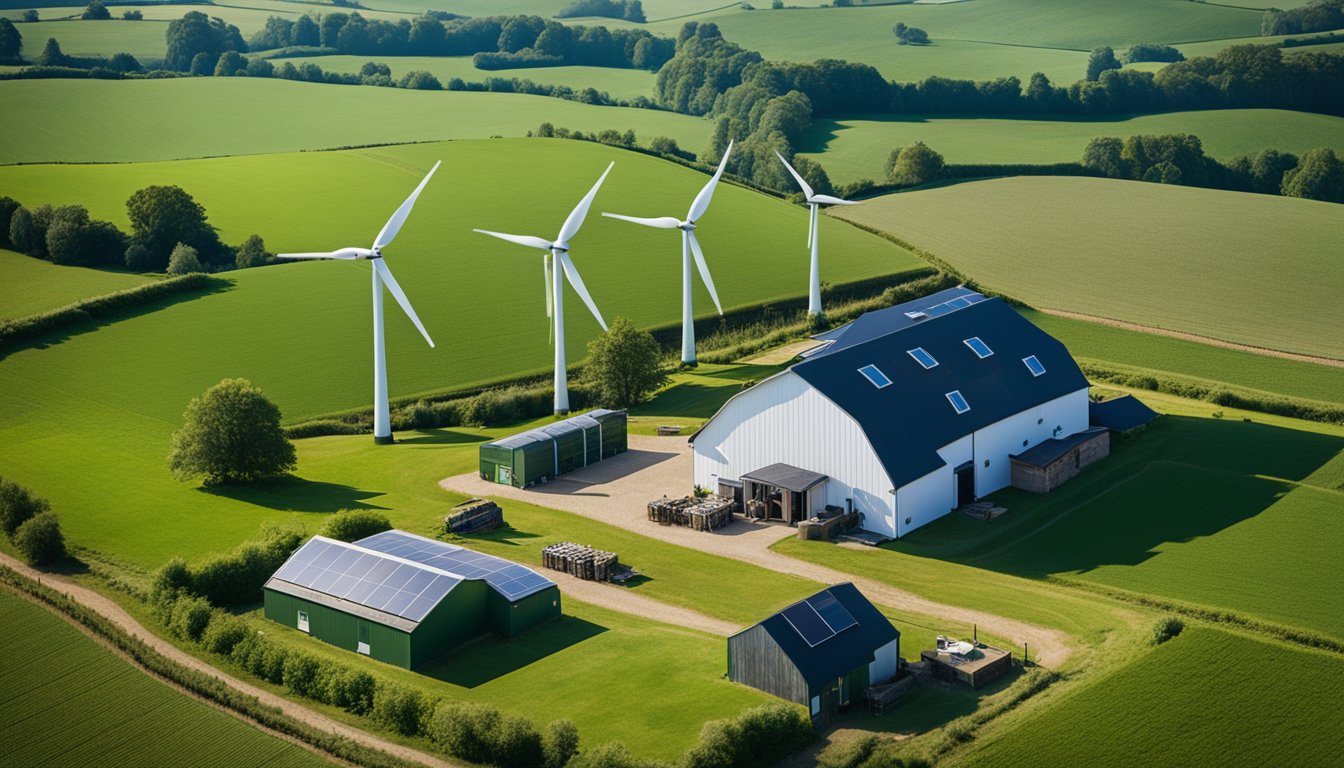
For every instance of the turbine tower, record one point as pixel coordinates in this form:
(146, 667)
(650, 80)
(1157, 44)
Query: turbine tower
(689, 245)
(382, 276)
(555, 283)
(814, 202)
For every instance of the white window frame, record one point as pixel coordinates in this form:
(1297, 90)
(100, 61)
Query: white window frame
(865, 372)
(988, 352)
(302, 621)
(913, 356)
(1027, 362)
(961, 397)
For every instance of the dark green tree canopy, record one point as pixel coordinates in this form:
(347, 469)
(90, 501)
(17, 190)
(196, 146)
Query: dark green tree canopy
(74, 238)
(917, 164)
(195, 33)
(11, 42)
(18, 505)
(1319, 177)
(252, 253)
(39, 540)
(624, 365)
(1101, 60)
(8, 206)
(95, 11)
(163, 216)
(52, 55)
(231, 434)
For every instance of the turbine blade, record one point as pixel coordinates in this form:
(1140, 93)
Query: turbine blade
(829, 200)
(393, 225)
(527, 240)
(807, 191)
(546, 269)
(811, 223)
(328, 255)
(576, 216)
(400, 296)
(661, 222)
(579, 287)
(704, 271)
(701, 201)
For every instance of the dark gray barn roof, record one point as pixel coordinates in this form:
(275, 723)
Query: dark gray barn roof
(786, 476)
(1121, 414)
(1049, 451)
(842, 652)
(907, 421)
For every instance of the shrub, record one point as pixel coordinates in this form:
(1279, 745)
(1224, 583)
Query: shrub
(1166, 628)
(559, 743)
(463, 729)
(188, 616)
(172, 578)
(420, 80)
(231, 434)
(236, 578)
(610, 755)
(760, 736)
(223, 633)
(39, 539)
(515, 743)
(349, 689)
(398, 708)
(300, 674)
(352, 524)
(321, 427)
(184, 260)
(96, 11)
(917, 164)
(252, 253)
(18, 505)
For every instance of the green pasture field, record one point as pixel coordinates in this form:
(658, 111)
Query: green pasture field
(248, 15)
(857, 148)
(1189, 702)
(141, 39)
(81, 121)
(1252, 269)
(69, 701)
(620, 83)
(301, 331)
(29, 285)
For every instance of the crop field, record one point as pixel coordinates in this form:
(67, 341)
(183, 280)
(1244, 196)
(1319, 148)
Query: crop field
(82, 705)
(80, 121)
(853, 149)
(1187, 703)
(1258, 270)
(29, 285)
(141, 39)
(620, 83)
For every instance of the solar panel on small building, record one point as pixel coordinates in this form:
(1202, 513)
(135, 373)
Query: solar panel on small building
(343, 571)
(818, 618)
(510, 579)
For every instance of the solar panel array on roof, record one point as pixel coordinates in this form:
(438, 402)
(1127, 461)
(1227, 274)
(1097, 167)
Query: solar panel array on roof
(367, 578)
(818, 618)
(510, 579)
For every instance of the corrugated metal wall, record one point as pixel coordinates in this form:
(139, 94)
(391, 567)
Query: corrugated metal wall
(755, 659)
(508, 619)
(459, 617)
(339, 628)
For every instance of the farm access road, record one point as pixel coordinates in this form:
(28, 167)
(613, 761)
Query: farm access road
(617, 490)
(118, 615)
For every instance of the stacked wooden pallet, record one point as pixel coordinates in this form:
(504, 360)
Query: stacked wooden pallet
(581, 561)
(474, 516)
(704, 514)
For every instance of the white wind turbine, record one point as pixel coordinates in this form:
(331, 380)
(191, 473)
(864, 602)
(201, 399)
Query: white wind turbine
(814, 202)
(689, 245)
(382, 429)
(555, 283)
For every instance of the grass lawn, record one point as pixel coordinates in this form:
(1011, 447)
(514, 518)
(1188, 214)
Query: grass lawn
(29, 285)
(1252, 269)
(122, 120)
(142, 39)
(620, 83)
(857, 148)
(69, 701)
(1189, 702)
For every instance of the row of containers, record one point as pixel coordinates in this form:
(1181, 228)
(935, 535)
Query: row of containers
(541, 454)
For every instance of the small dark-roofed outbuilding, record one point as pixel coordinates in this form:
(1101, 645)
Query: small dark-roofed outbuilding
(1051, 463)
(1122, 414)
(822, 652)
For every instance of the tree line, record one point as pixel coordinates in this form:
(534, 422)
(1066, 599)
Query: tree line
(1315, 16)
(628, 10)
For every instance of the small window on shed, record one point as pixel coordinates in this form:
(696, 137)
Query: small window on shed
(922, 357)
(875, 376)
(1034, 365)
(958, 402)
(980, 348)
(303, 621)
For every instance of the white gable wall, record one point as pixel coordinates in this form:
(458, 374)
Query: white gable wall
(1021, 432)
(785, 419)
(883, 666)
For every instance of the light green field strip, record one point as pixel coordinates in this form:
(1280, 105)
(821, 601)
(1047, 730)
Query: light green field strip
(69, 701)
(29, 285)
(620, 83)
(1207, 697)
(1252, 269)
(857, 149)
(142, 39)
(136, 120)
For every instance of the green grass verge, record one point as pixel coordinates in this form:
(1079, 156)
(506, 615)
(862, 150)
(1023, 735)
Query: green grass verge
(29, 286)
(1189, 702)
(115, 121)
(73, 702)
(1253, 269)
(853, 149)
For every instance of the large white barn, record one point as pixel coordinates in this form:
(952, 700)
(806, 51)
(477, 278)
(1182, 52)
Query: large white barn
(903, 415)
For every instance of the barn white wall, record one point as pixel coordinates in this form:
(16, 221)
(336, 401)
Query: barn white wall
(1002, 439)
(922, 501)
(784, 419)
(883, 667)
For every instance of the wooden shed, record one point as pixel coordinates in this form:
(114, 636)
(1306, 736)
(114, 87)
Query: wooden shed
(822, 652)
(1050, 464)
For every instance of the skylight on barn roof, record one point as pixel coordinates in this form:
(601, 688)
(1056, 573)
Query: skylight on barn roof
(958, 402)
(875, 376)
(980, 348)
(922, 357)
(1034, 365)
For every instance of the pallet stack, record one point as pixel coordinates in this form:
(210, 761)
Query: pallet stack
(581, 561)
(474, 516)
(705, 514)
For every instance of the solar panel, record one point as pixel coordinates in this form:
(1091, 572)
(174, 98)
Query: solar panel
(510, 579)
(980, 348)
(922, 357)
(808, 624)
(1034, 365)
(836, 616)
(370, 579)
(958, 401)
(875, 376)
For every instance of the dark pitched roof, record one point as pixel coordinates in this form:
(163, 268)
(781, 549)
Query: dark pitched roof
(846, 650)
(1121, 414)
(909, 420)
(786, 476)
(870, 325)
(1048, 451)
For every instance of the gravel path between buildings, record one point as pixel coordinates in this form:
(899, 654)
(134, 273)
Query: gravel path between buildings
(618, 490)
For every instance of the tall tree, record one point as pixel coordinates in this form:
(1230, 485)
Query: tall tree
(231, 434)
(11, 42)
(196, 33)
(624, 364)
(163, 216)
(96, 11)
(1101, 60)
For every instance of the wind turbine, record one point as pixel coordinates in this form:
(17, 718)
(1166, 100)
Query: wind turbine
(814, 202)
(689, 245)
(555, 283)
(382, 429)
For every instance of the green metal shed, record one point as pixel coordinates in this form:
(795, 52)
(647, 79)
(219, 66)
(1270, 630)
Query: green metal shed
(405, 599)
(546, 452)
